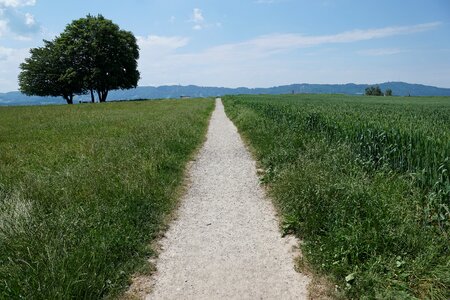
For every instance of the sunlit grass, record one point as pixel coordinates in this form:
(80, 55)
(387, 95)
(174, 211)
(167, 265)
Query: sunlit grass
(84, 189)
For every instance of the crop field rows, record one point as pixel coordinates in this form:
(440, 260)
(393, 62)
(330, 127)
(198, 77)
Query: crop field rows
(364, 181)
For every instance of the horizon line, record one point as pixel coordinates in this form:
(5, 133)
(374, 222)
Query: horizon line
(269, 87)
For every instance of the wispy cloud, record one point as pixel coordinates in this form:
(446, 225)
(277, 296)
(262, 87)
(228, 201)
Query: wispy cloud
(265, 46)
(256, 61)
(289, 41)
(267, 1)
(155, 49)
(380, 52)
(162, 42)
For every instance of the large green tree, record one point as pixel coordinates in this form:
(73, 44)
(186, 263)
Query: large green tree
(48, 72)
(105, 55)
(92, 54)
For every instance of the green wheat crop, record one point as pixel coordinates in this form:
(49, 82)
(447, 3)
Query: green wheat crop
(364, 181)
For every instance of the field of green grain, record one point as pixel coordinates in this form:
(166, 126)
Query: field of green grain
(364, 181)
(84, 189)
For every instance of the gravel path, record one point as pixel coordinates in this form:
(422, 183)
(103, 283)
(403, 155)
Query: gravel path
(225, 242)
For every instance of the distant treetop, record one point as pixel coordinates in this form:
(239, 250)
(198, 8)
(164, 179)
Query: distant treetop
(376, 91)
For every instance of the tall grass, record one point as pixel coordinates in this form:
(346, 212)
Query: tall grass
(364, 181)
(85, 189)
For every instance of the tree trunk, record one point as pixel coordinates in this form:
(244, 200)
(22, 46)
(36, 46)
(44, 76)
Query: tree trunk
(102, 95)
(105, 95)
(92, 96)
(69, 98)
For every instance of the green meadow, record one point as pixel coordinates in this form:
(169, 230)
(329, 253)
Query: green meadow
(364, 181)
(85, 189)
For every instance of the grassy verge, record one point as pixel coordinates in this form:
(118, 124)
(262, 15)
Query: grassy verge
(84, 189)
(364, 181)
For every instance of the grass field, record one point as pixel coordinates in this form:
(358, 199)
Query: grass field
(364, 181)
(84, 189)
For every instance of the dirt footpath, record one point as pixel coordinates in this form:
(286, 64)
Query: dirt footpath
(225, 243)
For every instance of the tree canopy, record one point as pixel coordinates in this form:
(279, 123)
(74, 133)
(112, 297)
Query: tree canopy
(50, 73)
(92, 54)
(374, 91)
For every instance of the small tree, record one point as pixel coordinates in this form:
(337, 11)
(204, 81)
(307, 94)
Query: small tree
(388, 92)
(374, 91)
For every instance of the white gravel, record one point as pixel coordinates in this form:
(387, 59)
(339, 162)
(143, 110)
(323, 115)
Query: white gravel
(225, 242)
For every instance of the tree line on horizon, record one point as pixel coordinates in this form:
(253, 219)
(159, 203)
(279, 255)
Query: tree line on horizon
(92, 55)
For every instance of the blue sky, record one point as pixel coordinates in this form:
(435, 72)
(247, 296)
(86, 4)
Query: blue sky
(254, 43)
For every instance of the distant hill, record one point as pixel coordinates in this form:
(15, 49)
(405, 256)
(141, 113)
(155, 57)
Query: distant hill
(176, 91)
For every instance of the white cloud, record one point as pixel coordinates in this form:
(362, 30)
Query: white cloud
(155, 55)
(16, 23)
(197, 16)
(198, 19)
(17, 3)
(29, 19)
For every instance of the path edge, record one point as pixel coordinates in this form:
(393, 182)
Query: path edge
(320, 286)
(141, 283)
